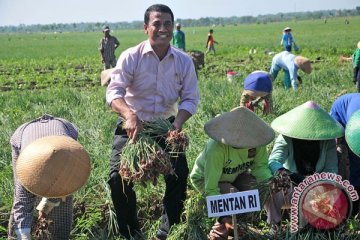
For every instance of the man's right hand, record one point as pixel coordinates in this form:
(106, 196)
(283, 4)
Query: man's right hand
(133, 126)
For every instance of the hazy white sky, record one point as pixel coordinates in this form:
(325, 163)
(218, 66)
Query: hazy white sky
(15, 12)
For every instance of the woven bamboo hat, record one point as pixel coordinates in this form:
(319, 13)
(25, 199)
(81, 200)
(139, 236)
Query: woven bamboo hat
(304, 64)
(352, 132)
(308, 122)
(106, 76)
(239, 128)
(53, 166)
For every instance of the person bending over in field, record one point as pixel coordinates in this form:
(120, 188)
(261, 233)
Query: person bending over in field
(59, 211)
(305, 145)
(356, 66)
(235, 157)
(341, 110)
(290, 64)
(257, 88)
(151, 80)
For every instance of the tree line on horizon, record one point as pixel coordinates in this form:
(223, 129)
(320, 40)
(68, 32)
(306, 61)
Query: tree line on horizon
(206, 21)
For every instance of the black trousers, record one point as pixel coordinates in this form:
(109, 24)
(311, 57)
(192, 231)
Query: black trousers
(124, 197)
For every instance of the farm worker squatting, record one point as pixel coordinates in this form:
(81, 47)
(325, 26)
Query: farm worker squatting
(59, 210)
(235, 156)
(342, 110)
(151, 80)
(257, 88)
(305, 145)
(108, 45)
(290, 64)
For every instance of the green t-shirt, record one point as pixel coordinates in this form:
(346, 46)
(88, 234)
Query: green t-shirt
(223, 163)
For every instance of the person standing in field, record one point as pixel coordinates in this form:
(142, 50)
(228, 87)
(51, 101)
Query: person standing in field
(305, 145)
(287, 40)
(210, 42)
(107, 47)
(341, 110)
(151, 80)
(257, 88)
(356, 66)
(179, 37)
(290, 64)
(59, 210)
(235, 157)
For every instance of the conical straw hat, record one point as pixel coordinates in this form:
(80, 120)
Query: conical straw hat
(309, 122)
(53, 166)
(304, 64)
(106, 76)
(239, 128)
(352, 132)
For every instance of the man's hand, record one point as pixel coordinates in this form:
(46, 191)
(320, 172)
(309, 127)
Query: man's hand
(133, 126)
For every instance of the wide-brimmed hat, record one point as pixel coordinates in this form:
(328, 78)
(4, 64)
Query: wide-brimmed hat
(258, 82)
(287, 29)
(358, 45)
(240, 128)
(53, 166)
(303, 63)
(105, 76)
(308, 122)
(352, 132)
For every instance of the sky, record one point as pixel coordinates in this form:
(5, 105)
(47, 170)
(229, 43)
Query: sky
(15, 12)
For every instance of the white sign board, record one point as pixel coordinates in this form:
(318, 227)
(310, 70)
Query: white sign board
(233, 203)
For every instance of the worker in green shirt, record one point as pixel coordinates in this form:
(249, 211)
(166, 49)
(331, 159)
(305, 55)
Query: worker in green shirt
(179, 38)
(234, 157)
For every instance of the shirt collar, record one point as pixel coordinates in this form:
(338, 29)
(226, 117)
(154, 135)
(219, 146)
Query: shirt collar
(147, 48)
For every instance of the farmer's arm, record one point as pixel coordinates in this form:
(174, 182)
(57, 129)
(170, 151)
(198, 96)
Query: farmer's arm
(279, 154)
(117, 43)
(214, 162)
(260, 168)
(331, 160)
(46, 206)
(189, 94)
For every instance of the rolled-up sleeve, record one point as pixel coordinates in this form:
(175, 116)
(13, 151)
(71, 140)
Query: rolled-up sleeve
(120, 79)
(189, 96)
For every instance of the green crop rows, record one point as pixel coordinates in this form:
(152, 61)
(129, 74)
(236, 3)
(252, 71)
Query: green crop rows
(59, 74)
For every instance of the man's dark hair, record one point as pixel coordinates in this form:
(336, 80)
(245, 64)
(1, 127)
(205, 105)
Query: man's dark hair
(157, 8)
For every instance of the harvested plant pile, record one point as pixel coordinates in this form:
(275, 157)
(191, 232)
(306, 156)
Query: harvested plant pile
(144, 159)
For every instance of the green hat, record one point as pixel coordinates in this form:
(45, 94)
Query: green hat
(352, 132)
(239, 128)
(308, 122)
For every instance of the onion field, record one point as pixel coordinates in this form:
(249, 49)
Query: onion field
(59, 74)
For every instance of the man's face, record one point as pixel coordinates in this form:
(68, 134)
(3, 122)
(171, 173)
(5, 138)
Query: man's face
(159, 29)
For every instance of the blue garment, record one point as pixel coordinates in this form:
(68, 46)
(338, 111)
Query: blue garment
(341, 111)
(287, 41)
(258, 81)
(286, 61)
